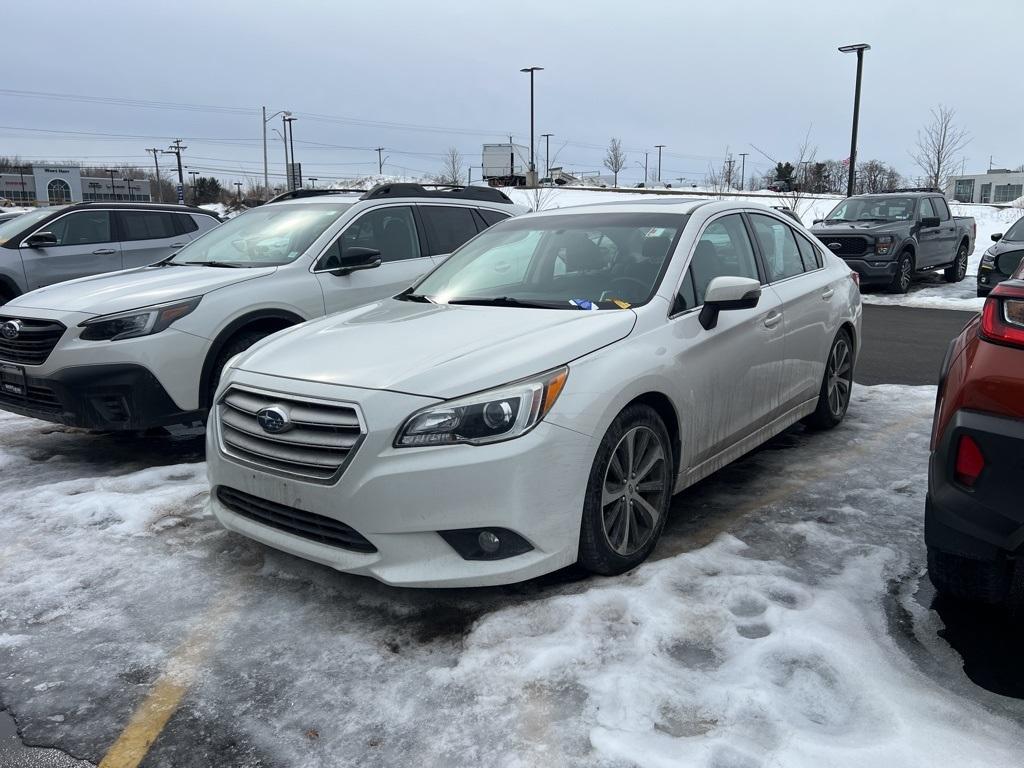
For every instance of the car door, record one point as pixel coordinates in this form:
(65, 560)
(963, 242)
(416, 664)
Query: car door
(447, 227)
(928, 238)
(148, 237)
(86, 245)
(947, 241)
(793, 267)
(393, 231)
(727, 378)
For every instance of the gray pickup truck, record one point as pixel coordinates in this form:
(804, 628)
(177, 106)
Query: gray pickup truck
(888, 238)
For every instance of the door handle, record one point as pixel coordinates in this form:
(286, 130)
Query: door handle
(770, 321)
(104, 251)
(828, 294)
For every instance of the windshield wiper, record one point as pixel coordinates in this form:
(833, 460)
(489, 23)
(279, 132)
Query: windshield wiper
(228, 264)
(509, 301)
(408, 295)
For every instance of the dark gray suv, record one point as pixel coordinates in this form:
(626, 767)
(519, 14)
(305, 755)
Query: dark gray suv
(51, 245)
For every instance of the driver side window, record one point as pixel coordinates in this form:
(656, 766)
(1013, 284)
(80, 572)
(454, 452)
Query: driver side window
(925, 210)
(392, 231)
(723, 249)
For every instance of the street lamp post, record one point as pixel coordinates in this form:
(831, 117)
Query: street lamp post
(195, 189)
(266, 173)
(659, 148)
(113, 195)
(532, 176)
(128, 184)
(859, 48)
(547, 153)
(293, 183)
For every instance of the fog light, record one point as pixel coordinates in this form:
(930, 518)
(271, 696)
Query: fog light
(488, 542)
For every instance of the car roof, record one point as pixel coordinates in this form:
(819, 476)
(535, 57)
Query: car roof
(143, 207)
(680, 205)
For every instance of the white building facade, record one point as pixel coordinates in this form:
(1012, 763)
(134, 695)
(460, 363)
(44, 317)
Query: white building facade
(60, 184)
(999, 185)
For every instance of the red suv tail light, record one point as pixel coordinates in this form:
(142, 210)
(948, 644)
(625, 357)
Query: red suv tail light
(1002, 318)
(969, 461)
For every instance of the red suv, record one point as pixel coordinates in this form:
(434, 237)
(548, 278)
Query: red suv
(974, 514)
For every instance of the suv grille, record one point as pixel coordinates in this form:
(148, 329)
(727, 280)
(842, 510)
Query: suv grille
(322, 437)
(324, 530)
(849, 245)
(33, 343)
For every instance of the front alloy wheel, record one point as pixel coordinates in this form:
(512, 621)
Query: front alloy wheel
(628, 494)
(904, 274)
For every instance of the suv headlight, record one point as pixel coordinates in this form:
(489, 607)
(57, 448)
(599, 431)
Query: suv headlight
(988, 258)
(137, 322)
(486, 417)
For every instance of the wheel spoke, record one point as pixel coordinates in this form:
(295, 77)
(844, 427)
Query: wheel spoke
(654, 455)
(612, 495)
(630, 448)
(627, 524)
(616, 466)
(651, 486)
(642, 506)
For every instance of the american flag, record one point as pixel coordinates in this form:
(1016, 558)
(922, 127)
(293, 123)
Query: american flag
(846, 161)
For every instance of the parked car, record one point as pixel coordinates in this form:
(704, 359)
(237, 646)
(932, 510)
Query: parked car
(50, 245)
(537, 398)
(974, 518)
(144, 348)
(889, 238)
(1002, 259)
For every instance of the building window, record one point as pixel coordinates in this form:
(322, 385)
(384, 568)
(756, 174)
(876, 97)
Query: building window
(1006, 193)
(964, 191)
(986, 193)
(58, 191)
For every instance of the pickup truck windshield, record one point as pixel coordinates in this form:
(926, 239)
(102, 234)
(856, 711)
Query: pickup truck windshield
(872, 209)
(268, 236)
(1016, 232)
(575, 261)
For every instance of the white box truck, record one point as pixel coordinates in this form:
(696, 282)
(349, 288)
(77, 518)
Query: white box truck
(506, 164)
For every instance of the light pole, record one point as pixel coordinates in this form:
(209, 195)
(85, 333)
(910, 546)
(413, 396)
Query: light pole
(859, 48)
(155, 151)
(266, 173)
(238, 195)
(532, 178)
(547, 154)
(195, 189)
(113, 195)
(659, 148)
(743, 169)
(313, 180)
(128, 184)
(294, 181)
(21, 173)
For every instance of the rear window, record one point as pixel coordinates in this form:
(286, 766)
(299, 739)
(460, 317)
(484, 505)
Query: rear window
(491, 217)
(185, 223)
(147, 225)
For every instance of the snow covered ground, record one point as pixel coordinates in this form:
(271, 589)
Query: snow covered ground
(761, 634)
(930, 291)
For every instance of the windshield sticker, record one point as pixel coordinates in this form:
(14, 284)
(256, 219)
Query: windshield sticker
(583, 303)
(620, 303)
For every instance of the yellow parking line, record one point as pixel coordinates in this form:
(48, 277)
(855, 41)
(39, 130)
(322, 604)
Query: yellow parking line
(163, 701)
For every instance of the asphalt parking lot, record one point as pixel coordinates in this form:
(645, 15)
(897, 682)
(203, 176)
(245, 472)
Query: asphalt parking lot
(786, 611)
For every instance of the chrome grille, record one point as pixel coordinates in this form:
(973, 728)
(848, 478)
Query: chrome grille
(322, 438)
(34, 341)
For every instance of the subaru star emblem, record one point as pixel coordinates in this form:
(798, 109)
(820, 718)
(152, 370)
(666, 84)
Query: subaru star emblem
(274, 419)
(10, 329)
(835, 246)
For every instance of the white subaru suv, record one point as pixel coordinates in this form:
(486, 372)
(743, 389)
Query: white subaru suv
(144, 347)
(537, 398)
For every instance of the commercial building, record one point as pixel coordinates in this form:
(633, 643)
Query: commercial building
(998, 185)
(57, 184)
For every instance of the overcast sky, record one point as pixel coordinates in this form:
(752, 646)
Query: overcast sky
(419, 77)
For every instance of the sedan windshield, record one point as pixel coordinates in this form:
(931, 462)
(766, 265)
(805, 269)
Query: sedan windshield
(1016, 232)
(572, 261)
(10, 228)
(873, 209)
(268, 236)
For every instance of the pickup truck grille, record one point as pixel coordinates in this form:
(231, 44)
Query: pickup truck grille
(32, 342)
(319, 440)
(849, 245)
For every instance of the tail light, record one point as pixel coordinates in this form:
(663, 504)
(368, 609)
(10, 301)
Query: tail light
(1002, 318)
(969, 461)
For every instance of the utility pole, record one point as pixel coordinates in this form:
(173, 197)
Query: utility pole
(128, 183)
(176, 149)
(266, 172)
(238, 186)
(21, 173)
(313, 180)
(380, 161)
(195, 188)
(159, 192)
(659, 148)
(645, 169)
(743, 170)
(728, 172)
(547, 153)
(113, 195)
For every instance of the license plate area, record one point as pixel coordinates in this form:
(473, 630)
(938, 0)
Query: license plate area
(12, 380)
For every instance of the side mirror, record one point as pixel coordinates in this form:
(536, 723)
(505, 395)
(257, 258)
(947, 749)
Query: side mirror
(997, 236)
(41, 240)
(727, 293)
(1008, 262)
(356, 258)
(929, 221)
(817, 221)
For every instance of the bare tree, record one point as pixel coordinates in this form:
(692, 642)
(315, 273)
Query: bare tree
(615, 159)
(937, 146)
(795, 196)
(451, 171)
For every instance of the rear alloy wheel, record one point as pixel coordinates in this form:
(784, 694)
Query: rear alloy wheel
(957, 271)
(904, 273)
(628, 494)
(836, 385)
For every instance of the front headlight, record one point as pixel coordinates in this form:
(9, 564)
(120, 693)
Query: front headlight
(988, 258)
(137, 322)
(486, 417)
(883, 245)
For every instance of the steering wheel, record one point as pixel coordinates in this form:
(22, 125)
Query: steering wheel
(643, 287)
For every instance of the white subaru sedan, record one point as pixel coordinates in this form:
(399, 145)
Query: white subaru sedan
(538, 398)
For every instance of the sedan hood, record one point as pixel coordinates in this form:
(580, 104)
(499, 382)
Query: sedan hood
(434, 350)
(133, 288)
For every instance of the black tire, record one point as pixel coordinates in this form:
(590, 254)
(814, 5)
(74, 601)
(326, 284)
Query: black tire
(235, 345)
(627, 507)
(957, 271)
(904, 273)
(970, 581)
(836, 384)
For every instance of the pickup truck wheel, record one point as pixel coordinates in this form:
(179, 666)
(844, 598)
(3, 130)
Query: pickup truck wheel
(957, 271)
(235, 345)
(628, 493)
(836, 385)
(904, 273)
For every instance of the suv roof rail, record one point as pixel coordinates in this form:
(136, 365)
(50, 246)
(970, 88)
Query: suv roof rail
(914, 189)
(403, 189)
(296, 194)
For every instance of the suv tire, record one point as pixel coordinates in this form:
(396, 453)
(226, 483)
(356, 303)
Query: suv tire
(235, 345)
(904, 273)
(617, 532)
(957, 271)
